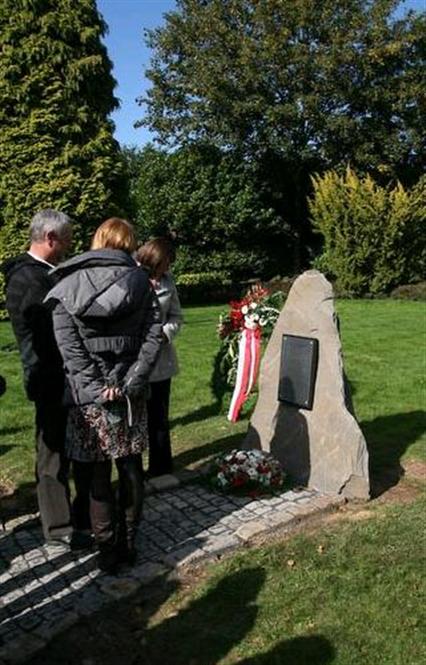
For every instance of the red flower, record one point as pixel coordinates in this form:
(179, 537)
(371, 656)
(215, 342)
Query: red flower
(235, 304)
(238, 481)
(237, 319)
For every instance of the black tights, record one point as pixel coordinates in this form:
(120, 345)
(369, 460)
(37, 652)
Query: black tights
(130, 487)
(160, 451)
(97, 476)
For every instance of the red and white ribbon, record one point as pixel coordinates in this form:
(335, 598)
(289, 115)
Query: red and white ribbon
(247, 369)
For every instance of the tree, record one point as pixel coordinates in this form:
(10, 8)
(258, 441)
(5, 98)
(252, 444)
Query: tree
(213, 206)
(293, 87)
(56, 93)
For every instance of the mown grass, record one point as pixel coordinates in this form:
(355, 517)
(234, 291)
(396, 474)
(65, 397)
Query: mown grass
(16, 417)
(384, 348)
(346, 595)
(384, 345)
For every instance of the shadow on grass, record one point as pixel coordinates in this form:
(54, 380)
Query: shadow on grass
(210, 626)
(388, 438)
(203, 413)
(307, 650)
(15, 429)
(4, 448)
(201, 453)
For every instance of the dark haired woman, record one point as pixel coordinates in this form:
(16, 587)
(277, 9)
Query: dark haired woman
(157, 256)
(109, 334)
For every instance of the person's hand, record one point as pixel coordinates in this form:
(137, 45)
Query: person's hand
(111, 394)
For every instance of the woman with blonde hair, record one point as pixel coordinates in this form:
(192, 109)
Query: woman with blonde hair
(156, 256)
(109, 333)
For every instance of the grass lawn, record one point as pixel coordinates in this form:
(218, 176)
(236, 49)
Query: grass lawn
(384, 349)
(346, 595)
(384, 344)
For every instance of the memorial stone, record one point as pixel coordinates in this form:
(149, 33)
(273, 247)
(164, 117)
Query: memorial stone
(324, 447)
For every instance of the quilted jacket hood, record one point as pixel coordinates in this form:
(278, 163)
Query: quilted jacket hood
(99, 283)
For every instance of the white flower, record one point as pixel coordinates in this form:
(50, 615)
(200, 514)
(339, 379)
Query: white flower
(221, 478)
(250, 322)
(244, 309)
(253, 305)
(256, 453)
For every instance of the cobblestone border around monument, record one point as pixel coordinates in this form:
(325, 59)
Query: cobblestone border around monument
(44, 593)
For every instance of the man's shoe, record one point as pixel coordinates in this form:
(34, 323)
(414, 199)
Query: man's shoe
(126, 554)
(82, 540)
(108, 558)
(58, 545)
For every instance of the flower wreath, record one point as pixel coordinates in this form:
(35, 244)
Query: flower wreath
(249, 322)
(248, 471)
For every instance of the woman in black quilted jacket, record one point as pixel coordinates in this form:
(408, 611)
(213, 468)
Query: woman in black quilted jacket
(108, 328)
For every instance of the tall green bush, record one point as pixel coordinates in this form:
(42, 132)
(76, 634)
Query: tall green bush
(373, 235)
(56, 93)
(216, 207)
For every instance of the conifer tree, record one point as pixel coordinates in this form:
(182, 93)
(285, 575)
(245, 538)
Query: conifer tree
(56, 93)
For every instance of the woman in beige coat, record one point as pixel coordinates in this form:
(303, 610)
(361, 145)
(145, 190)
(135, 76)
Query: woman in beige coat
(156, 256)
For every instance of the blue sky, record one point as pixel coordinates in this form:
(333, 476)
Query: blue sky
(126, 47)
(127, 20)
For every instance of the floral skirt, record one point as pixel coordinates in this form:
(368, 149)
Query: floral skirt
(98, 433)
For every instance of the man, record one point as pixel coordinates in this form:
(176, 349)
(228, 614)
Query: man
(27, 283)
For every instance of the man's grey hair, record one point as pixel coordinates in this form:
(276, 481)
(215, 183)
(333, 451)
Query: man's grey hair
(47, 221)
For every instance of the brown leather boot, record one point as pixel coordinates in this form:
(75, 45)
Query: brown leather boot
(130, 499)
(103, 525)
(126, 538)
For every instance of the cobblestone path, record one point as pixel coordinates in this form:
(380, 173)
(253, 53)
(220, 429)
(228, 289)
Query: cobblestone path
(43, 592)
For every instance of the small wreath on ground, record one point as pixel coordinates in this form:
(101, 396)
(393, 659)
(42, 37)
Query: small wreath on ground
(247, 472)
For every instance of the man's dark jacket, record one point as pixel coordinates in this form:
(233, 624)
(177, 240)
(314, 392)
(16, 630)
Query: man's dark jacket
(27, 283)
(108, 325)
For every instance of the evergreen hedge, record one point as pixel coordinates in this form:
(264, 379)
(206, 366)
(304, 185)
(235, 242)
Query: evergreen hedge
(56, 145)
(214, 205)
(373, 235)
